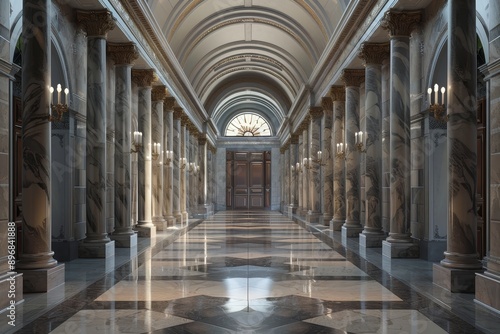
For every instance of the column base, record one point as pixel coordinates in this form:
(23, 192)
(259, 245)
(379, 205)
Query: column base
(124, 240)
(203, 211)
(454, 280)
(313, 217)
(11, 283)
(185, 216)
(146, 231)
(94, 250)
(65, 250)
(351, 231)
(325, 219)
(291, 210)
(43, 280)
(160, 223)
(488, 290)
(371, 240)
(178, 218)
(407, 250)
(170, 221)
(337, 224)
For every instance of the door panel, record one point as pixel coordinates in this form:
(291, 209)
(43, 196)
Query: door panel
(240, 179)
(257, 184)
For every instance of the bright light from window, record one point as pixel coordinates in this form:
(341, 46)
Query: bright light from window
(248, 125)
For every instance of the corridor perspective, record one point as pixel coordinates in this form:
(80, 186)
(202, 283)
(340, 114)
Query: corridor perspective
(251, 272)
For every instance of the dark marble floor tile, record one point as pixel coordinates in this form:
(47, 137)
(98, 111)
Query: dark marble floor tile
(303, 328)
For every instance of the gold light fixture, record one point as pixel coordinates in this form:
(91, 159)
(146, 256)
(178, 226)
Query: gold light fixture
(167, 157)
(438, 109)
(358, 138)
(155, 152)
(319, 159)
(341, 150)
(136, 142)
(182, 163)
(58, 109)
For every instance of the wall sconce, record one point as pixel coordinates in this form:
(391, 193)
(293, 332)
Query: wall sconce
(307, 163)
(136, 142)
(319, 159)
(155, 153)
(183, 163)
(167, 157)
(59, 108)
(358, 138)
(340, 153)
(193, 168)
(437, 108)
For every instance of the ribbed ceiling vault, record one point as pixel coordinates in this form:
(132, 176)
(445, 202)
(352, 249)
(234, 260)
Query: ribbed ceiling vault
(262, 50)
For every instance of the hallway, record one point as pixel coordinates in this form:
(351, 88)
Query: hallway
(248, 272)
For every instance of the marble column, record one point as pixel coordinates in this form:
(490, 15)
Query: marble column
(41, 272)
(204, 207)
(294, 175)
(178, 112)
(399, 243)
(184, 178)
(300, 172)
(456, 272)
(337, 94)
(123, 55)
(285, 185)
(7, 224)
(168, 170)
(373, 55)
(158, 95)
(352, 80)
(144, 80)
(97, 243)
(315, 186)
(327, 161)
(305, 163)
(488, 284)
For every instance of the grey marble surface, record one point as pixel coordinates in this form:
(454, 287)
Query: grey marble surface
(145, 163)
(176, 170)
(327, 162)
(339, 207)
(157, 164)
(315, 187)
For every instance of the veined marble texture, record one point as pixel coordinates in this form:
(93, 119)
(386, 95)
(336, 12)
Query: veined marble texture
(373, 176)
(96, 140)
(176, 170)
(315, 187)
(294, 176)
(306, 204)
(183, 197)
(352, 186)
(300, 175)
(157, 171)
(327, 169)
(168, 168)
(400, 139)
(123, 97)
(145, 165)
(339, 166)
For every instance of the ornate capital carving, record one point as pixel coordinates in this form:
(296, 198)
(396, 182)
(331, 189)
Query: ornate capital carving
(327, 103)
(401, 23)
(316, 112)
(374, 53)
(185, 120)
(122, 53)
(294, 139)
(353, 77)
(143, 78)
(202, 139)
(337, 93)
(95, 23)
(178, 112)
(212, 148)
(169, 103)
(158, 93)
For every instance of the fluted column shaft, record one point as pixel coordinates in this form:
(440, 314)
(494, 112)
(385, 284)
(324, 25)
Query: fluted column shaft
(123, 56)
(373, 55)
(36, 136)
(461, 252)
(352, 80)
(327, 161)
(337, 93)
(400, 25)
(176, 168)
(158, 95)
(168, 176)
(144, 79)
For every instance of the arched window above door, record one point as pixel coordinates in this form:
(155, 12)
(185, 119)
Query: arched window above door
(247, 124)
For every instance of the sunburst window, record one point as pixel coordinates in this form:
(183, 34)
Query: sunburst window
(248, 125)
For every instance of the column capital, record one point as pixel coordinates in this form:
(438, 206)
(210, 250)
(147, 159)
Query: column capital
(168, 104)
(327, 103)
(304, 125)
(143, 78)
(185, 120)
(95, 23)
(294, 139)
(158, 93)
(122, 53)
(374, 53)
(316, 112)
(202, 139)
(353, 77)
(212, 149)
(401, 23)
(178, 112)
(337, 93)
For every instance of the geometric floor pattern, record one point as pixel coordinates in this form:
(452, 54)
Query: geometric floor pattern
(242, 272)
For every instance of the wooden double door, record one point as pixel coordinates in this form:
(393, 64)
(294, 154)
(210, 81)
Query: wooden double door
(248, 180)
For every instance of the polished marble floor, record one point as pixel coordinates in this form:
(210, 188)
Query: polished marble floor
(249, 272)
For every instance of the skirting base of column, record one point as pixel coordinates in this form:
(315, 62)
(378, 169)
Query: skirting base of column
(371, 240)
(488, 290)
(11, 282)
(160, 223)
(185, 216)
(400, 249)
(43, 280)
(337, 224)
(325, 219)
(291, 210)
(313, 217)
(170, 221)
(124, 240)
(146, 231)
(351, 231)
(178, 218)
(454, 280)
(94, 250)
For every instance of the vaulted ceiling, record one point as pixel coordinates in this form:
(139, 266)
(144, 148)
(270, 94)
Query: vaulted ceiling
(247, 55)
